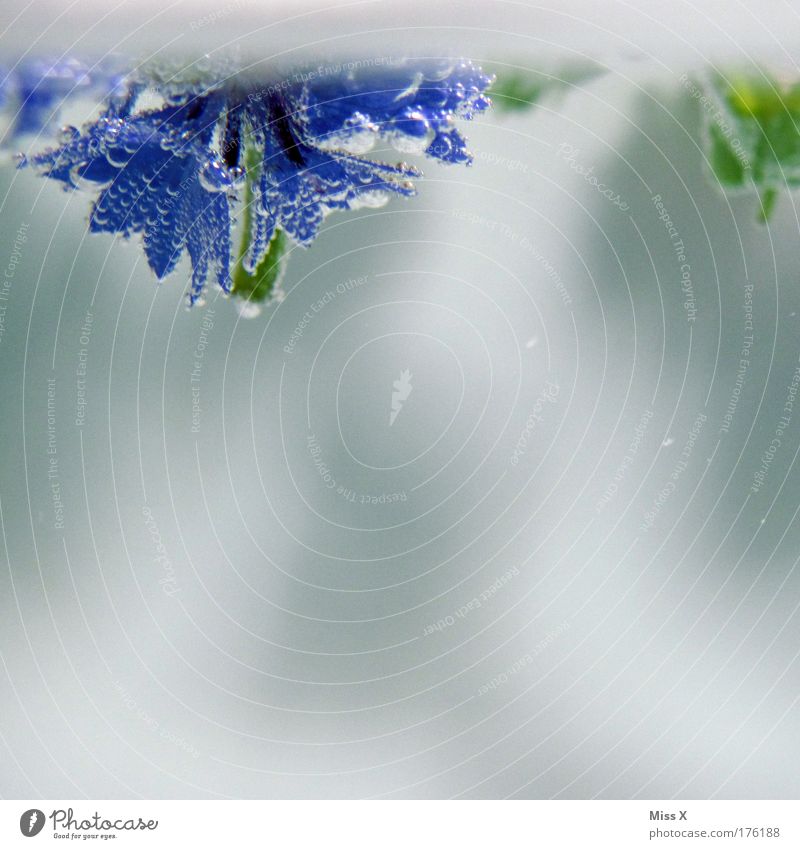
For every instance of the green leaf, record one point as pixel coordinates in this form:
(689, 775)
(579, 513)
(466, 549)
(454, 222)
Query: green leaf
(753, 128)
(728, 167)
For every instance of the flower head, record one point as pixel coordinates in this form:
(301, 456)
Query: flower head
(173, 172)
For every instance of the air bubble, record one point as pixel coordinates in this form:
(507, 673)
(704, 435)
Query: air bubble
(356, 137)
(416, 142)
(247, 309)
(68, 134)
(118, 157)
(83, 183)
(214, 177)
(371, 200)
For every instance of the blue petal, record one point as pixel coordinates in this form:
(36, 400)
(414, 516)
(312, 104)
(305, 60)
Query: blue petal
(409, 103)
(159, 177)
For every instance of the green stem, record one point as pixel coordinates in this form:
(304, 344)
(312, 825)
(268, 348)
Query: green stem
(252, 171)
(258, 286)
(768, 198)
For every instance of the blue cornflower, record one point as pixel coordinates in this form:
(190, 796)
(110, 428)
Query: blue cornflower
(172, 173)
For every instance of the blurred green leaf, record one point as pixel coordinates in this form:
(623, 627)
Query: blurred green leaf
(516, 90)
(753, 129)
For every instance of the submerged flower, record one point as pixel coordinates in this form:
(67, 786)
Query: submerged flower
(172, 172)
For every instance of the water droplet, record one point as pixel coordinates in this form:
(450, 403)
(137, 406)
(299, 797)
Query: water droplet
(67, 134)
(247, 309)
(83, 183)
(370, 200)
(668, 441)
(214, 177)
(443, 146)
(117, 156)
(354, 142)
(236, 174)
(532, 342)
(413, 135)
